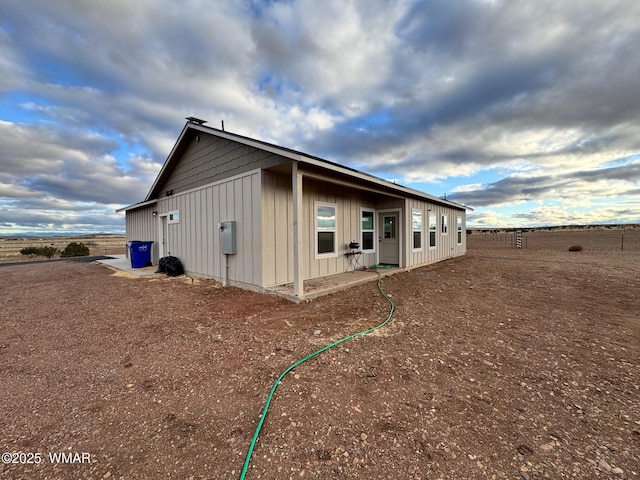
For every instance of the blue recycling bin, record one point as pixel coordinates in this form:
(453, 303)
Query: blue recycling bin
(140, 254)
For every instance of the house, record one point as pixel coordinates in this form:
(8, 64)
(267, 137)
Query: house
(257, 216)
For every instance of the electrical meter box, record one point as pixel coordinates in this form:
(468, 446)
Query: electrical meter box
(228, 237)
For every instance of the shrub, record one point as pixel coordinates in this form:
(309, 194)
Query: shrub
(575, 248)
(44, 251)
(48, 251)
(75, 250)
(29, 251)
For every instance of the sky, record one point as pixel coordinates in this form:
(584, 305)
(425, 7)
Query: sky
(526, 111)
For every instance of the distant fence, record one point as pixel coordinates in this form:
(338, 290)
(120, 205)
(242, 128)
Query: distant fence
(515, 239)
(590, 239)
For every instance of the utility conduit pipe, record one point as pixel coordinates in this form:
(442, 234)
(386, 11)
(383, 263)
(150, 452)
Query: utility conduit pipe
(263, 415)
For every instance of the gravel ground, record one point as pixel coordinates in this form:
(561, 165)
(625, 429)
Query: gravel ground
(505, 363)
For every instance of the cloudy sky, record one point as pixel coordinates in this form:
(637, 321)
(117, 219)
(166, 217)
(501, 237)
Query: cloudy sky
(528, 111)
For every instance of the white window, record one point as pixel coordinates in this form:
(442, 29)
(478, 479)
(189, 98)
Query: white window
(173, 217)
(433, 229)
(459, 228)
(416, 227)
(367, 230)
(444, 226)
(326, 230)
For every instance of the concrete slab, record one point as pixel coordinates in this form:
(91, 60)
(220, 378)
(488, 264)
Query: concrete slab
(121, 262)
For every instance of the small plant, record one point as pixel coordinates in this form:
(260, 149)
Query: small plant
(575, 248)
(75, 249)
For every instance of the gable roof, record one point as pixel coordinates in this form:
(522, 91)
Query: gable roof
(191, 127)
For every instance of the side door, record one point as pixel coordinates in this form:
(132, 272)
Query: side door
(388, 239)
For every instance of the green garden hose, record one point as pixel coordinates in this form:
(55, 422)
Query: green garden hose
(263, 415)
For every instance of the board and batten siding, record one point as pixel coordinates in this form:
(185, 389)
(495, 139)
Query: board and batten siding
(348, 203)
(446, 245)
(213, 159)
(195, 239)
(142, 226)
(278, 224)
(277, 216)
(277, 233)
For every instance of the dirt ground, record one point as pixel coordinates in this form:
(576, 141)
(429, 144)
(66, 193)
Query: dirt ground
(505, 363)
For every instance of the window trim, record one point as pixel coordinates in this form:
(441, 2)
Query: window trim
(433, 222)
(333, 254)
(459, 230)
(373, 230)
(444, 224)
(414, 231)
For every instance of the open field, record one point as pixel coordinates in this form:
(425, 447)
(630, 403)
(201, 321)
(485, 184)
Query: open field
(506, 363)
(100, 244)
(603, 239)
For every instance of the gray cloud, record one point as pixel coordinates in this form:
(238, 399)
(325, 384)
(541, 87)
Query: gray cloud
(27, 149)
(522, 188)
(51, 220)
(510, 68)
(74, 165)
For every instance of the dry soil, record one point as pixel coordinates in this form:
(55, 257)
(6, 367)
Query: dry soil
(505, 363)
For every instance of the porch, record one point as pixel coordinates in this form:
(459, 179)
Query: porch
(313, 288)
(317, 287)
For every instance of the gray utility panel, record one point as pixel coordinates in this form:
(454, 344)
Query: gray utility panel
(228, 237)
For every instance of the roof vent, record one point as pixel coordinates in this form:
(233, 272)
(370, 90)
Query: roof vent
(199, 121)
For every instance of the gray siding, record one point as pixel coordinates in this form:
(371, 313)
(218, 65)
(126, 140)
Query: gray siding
(277, 216)
(446, 245)
(348, 202)
(389, 203)
(195, 240)
(277, 242)
(277, 234)
(142, 225)
(213, 159)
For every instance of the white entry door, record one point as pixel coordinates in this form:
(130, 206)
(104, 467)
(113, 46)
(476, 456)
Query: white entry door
(163, 248)
(388, 238)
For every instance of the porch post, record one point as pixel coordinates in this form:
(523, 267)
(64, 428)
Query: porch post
(298, 218)
(407, 239)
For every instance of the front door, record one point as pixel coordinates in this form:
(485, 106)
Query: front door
(163, 249)
(389, 239)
